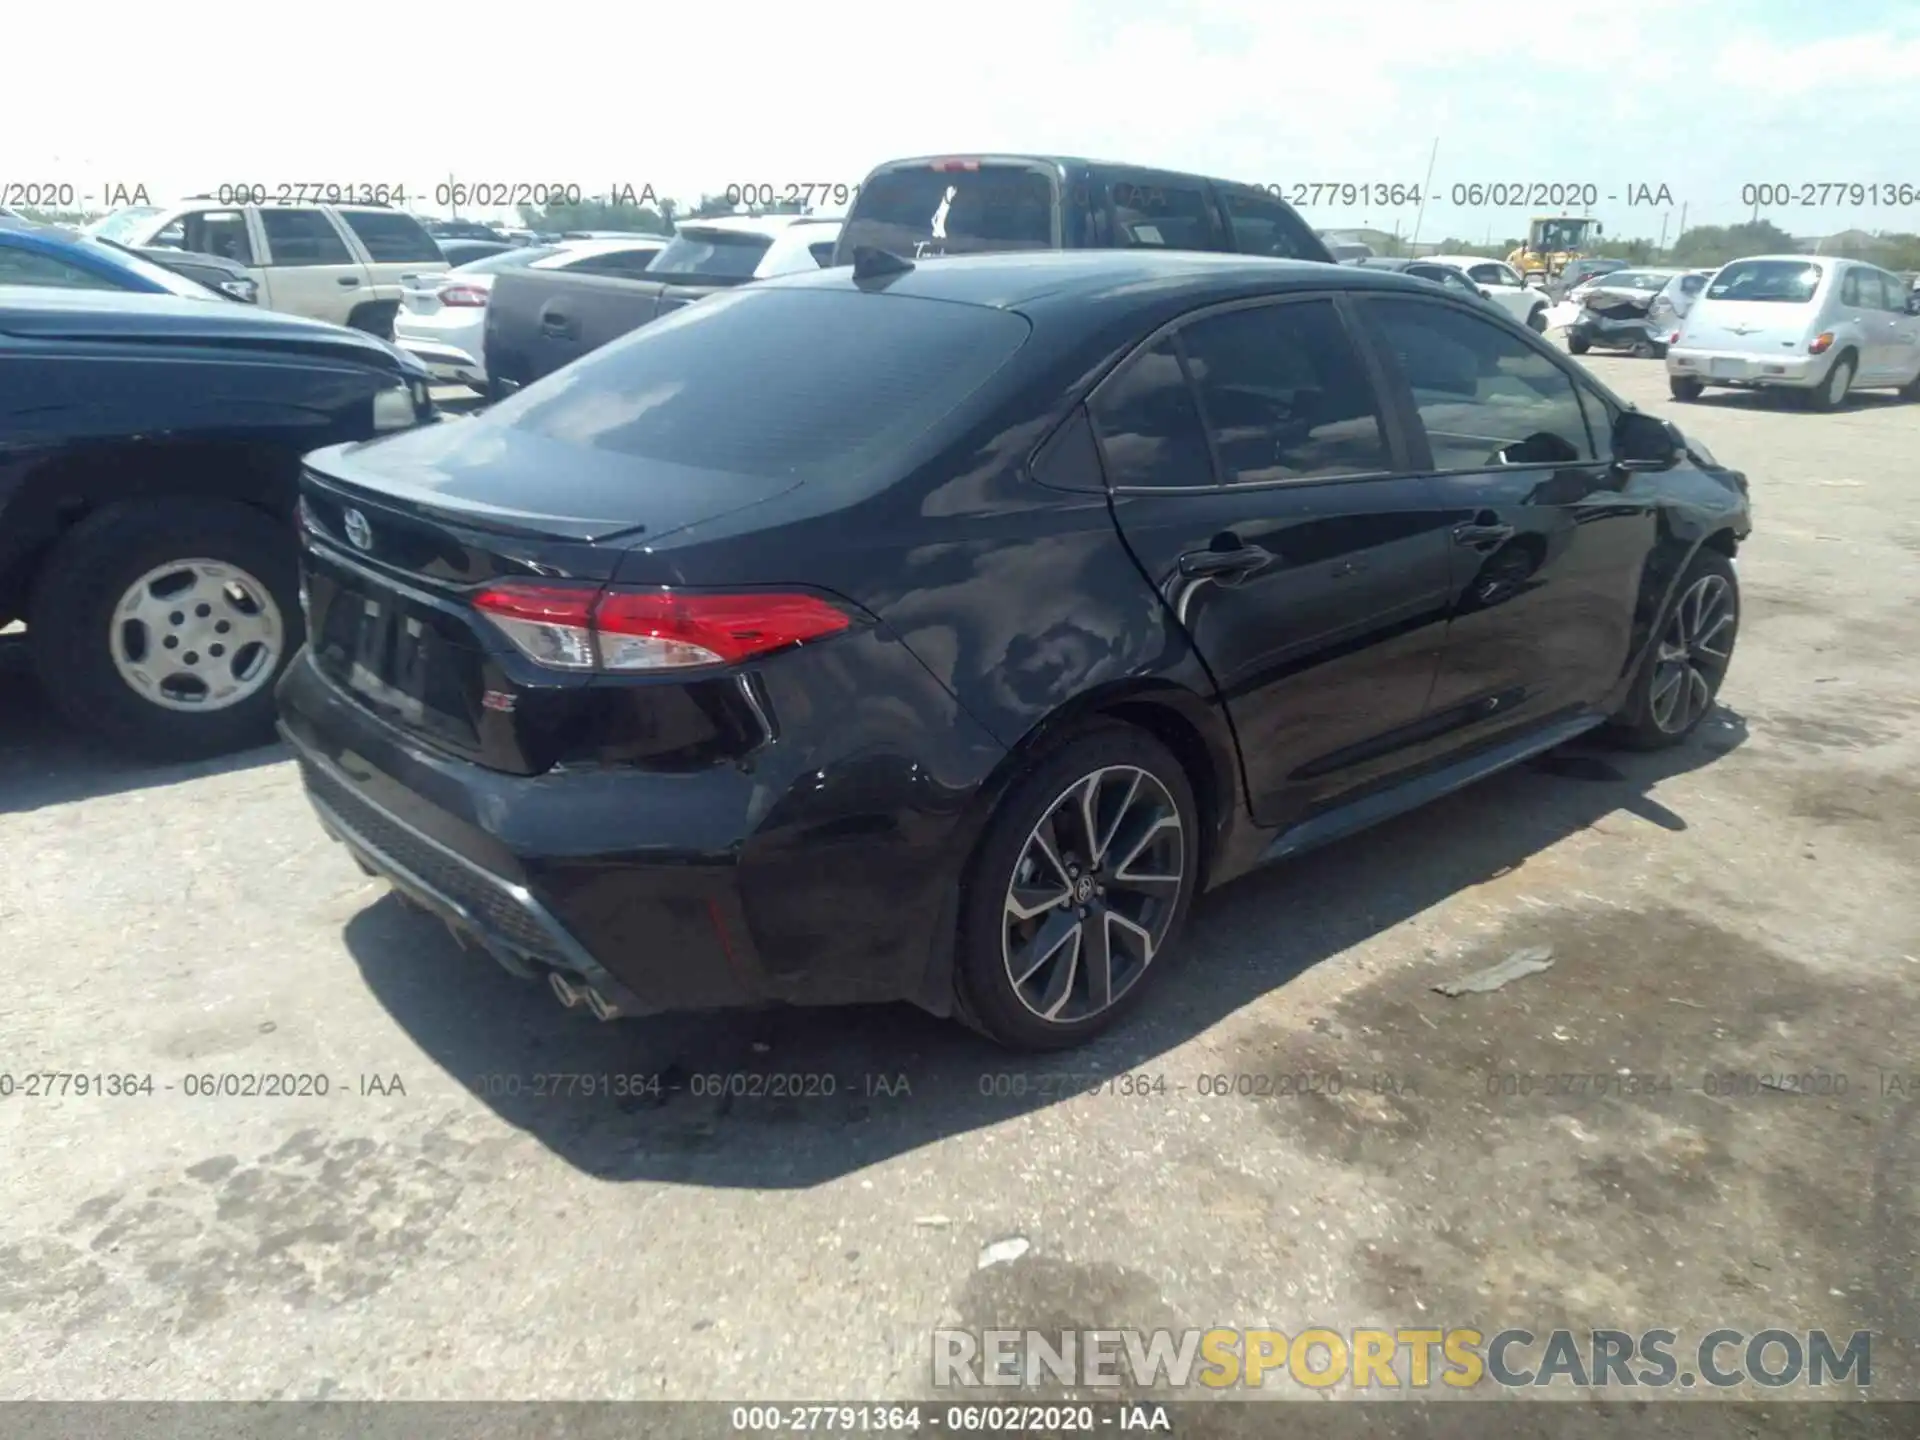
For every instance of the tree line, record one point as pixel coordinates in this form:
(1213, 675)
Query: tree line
(1702, 247)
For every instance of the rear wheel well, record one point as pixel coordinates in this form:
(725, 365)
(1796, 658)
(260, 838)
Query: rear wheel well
(1178, 734)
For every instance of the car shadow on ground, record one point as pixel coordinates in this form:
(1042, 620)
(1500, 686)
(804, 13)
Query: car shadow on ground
(1790, 401)
(44, 761)
(793, 1098)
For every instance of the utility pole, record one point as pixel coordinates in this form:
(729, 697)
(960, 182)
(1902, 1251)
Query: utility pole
(452, 194)
(1425, 186)
(1664, 214)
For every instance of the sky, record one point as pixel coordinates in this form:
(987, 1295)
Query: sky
(1624, 96)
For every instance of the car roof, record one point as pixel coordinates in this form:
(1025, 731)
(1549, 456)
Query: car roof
(1064, 162)
(768, 225)
(1020, 279)
(607, 244)
(1462, 261)
(1792, 259)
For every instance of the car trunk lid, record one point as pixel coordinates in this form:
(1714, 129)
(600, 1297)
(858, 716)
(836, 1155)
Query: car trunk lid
(399, 539)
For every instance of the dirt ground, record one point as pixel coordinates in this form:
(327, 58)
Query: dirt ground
(1745, 907)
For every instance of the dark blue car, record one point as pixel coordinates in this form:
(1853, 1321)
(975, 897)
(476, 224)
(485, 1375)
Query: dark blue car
(48, 255)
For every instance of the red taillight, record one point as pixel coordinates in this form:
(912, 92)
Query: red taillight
(627, 631)
(463, 295)
(954, 165)
(1820, 343)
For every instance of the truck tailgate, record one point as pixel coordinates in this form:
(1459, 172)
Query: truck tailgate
(540, 320)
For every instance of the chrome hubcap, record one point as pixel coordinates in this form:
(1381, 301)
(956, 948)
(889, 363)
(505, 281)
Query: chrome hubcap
(1693, 654)
(196, 635)
(1093, 893)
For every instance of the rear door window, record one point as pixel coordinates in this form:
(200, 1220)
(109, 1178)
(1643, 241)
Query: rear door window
(1780, 282)
(1284, 394)
(709, 255)
(632, 264)
(671, 390)
(304, 237)
(1153, 213)
(917, 211)
(392, 237)
(1263, 224)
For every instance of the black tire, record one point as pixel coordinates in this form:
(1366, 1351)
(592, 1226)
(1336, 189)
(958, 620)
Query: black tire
(375, 318)
(1578, 345)
(1822, 397)
(70, 626)
(1537, 320)
(989, 999)
(1685, 389)
(1911, 390)
(1639, 724)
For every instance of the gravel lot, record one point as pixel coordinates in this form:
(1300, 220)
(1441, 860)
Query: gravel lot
(1747, 905)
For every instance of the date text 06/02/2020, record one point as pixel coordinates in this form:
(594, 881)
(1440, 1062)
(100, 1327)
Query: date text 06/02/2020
(1470, 194)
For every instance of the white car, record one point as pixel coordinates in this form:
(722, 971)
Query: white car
(1503, 285)
(347, 264)
(1820, 326)
(751, 247)
(443, 318)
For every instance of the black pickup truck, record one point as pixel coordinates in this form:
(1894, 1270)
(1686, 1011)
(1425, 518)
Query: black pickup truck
(540, 320)
(150, 452)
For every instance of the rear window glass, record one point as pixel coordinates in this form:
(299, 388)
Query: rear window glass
(711, 255)
(1787, 282)
(391, 237)
(1636, 280)
(921, 211)
(671, 391)
(507, 259)
(1163, 216)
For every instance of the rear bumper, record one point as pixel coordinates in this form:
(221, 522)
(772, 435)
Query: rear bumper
(1623, 334)
(1732, 367)
(546, 873)
(445, 361)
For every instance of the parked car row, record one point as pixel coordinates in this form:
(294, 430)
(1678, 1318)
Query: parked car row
(54, 256)
(930, 613)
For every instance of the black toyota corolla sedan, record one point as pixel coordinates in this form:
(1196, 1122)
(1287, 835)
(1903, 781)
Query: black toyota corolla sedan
(940, 633)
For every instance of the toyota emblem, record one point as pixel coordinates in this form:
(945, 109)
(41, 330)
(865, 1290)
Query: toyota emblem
(359, 532)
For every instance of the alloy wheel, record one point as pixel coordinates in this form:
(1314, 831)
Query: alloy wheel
(196, 635)
(1693, 654)
(1093, 893)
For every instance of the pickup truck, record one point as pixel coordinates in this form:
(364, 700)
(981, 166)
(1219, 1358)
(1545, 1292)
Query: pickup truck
(150, 453)
(539, 319)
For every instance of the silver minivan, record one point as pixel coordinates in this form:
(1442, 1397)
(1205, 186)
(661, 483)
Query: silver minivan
(1810, 323)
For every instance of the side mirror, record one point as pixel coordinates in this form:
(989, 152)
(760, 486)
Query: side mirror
(1644, 442)
(1913, 303)
(1485, 293)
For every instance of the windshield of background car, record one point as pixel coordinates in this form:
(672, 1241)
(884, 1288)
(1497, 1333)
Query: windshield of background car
(122, 225)
(710, 255)
(671, 391)
(1785, 282)
(505, 260)
(916, 211)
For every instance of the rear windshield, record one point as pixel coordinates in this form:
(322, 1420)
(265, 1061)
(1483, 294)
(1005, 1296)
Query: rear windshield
(1788, 282)
(711, 255)
(735, 383)
(507, 259)
(918, 211)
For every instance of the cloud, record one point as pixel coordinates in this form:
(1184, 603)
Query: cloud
(1616, 92)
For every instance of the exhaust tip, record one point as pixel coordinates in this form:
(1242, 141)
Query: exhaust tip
(602, 1008)
(563, 989)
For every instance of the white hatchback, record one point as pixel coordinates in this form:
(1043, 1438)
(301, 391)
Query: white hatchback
(1822, 327)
